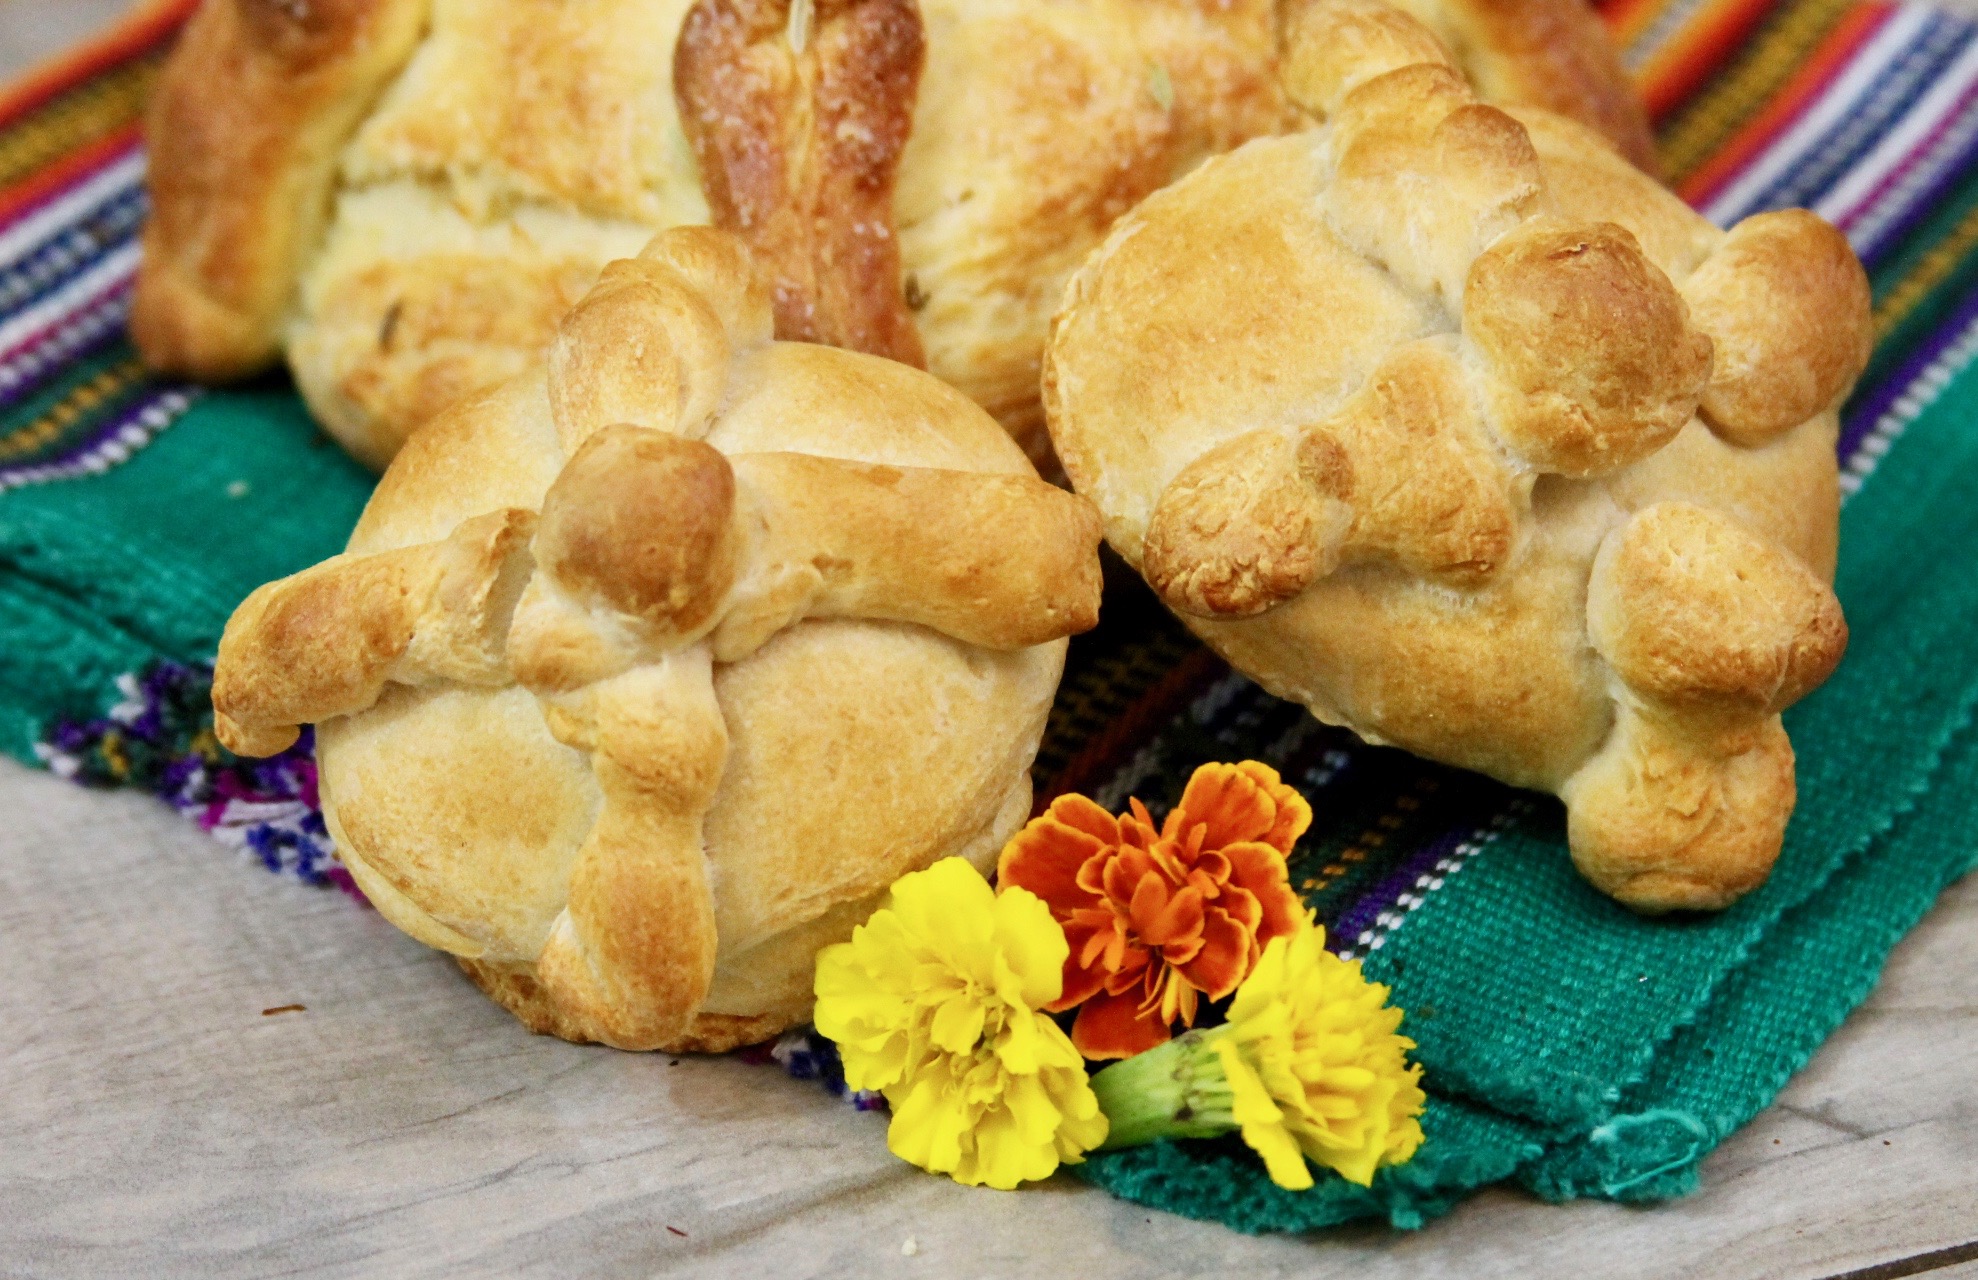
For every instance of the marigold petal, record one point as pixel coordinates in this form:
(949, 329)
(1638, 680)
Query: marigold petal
(1242, 909)
(1083, 974)
(1162, 917)
(1259, 869)
(1033, 944)
(1111, 1026)
(1085, 1126)
(930, 1120)
(1177, 1000)
(1080, 814)
(1231, 802)
(943, 912)
(1035, 1112)
(1294, 813)
(957, 1025)
(1046, 855)
(1224, 960)
(1020, 1048)
(1261, 1122)
(1124, 873)
(1004, 1157)
(1139, 971)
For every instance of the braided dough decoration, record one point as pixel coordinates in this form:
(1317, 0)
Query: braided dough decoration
(646, 674)
(405, 196)
(1448, 424)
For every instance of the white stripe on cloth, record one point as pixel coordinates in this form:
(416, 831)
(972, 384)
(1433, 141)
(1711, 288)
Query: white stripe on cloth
(109, 273)
(23, 237)
(1830, 108)
(1922, 392)
(1852, 204)
(81, 329)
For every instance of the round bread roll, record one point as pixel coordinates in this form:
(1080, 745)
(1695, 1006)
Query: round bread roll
(646, 673)
(404, 197)
(1445, 422)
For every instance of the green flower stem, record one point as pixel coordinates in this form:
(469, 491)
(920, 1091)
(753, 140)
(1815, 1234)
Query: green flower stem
(1177, 1090)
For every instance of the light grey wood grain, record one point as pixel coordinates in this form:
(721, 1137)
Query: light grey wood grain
(153, 1121)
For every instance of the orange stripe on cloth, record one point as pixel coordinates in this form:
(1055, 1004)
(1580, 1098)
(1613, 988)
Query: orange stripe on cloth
(1815, 74)
(69, 168)
(1627, 19)
(1697, 49)
(150, 24)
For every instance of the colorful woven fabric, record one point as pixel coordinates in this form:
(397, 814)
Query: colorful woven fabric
(1570, 1046)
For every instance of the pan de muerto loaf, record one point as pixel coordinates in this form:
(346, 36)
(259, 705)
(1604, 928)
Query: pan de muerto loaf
(1445, 422)
(403, 197)
(648, 672)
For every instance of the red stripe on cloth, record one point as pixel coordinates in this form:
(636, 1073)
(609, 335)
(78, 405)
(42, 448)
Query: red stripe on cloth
(25, 196)
(1697, 49)
(1820, 69)
(150, 25)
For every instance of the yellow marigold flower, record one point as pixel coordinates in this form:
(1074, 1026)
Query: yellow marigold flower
(1309, 1066)
(937, 1003)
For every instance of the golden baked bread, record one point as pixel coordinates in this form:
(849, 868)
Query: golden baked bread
(404, 196)
(647, 672)
(1445, 422)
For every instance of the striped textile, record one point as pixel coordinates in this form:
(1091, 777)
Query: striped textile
(1867, 113)
(74, 399)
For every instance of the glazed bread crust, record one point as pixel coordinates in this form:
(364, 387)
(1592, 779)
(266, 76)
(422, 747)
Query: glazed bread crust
(1459, 430)
(798, 115)
(646, 674)
(406, 196)
(243, 136)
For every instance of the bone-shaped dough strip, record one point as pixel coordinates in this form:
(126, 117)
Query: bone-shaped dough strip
(244, 133)
(1403, 470)
(326, 641)
(672, 533)
(798, 112)
(1713, 631)
(632, 955)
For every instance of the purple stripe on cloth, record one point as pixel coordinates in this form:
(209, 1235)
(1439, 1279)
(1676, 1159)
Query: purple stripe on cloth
(155, 407)
(1344, 932)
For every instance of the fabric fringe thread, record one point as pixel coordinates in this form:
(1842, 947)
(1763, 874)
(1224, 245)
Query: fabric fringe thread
(159, 738)
(806, 1055)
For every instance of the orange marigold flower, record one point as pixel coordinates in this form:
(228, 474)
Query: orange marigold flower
(1157, 918)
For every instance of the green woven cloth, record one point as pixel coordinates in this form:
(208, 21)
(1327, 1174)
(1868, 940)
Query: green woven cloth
(144, 562)
(1581, 1050)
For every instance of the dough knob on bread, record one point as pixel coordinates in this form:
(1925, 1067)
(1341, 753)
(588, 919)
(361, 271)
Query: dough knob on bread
(1786, 302)
(1592, 358)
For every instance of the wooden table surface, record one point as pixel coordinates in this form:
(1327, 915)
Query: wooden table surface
(155, 1122)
